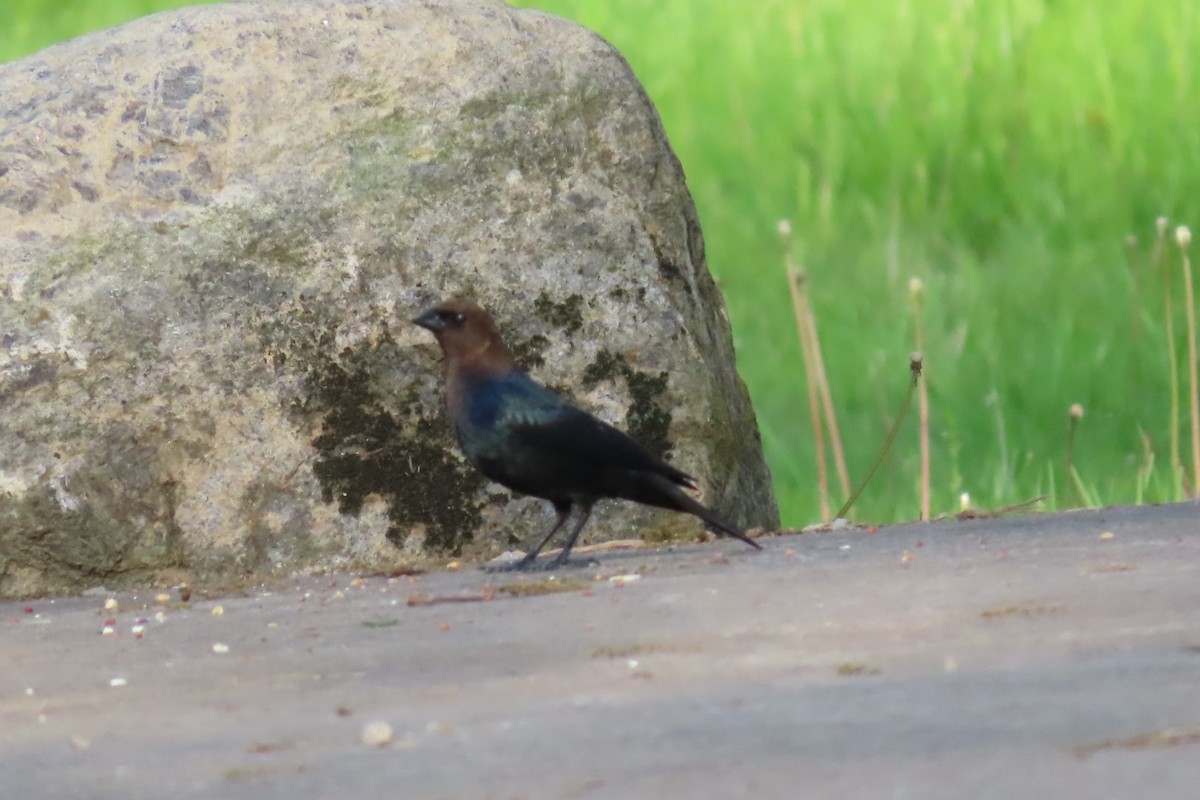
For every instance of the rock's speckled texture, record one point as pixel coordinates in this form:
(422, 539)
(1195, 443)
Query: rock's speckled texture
(214, 226)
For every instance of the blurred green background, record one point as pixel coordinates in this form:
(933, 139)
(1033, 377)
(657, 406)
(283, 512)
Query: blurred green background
(1000, 151)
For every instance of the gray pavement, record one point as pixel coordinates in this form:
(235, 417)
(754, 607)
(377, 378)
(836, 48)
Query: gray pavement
(1041, 657)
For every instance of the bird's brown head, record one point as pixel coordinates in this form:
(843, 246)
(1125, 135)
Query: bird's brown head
(467, 334)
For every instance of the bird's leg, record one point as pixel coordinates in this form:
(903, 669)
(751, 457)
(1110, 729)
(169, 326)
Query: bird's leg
(527, 562)
(561, 559)
(531, 556)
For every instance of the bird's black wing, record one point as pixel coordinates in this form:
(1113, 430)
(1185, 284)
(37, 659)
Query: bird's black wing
(543, 422)
(581, 436)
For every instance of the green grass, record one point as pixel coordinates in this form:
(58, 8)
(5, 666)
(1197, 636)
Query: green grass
(30, 25)
(1000, 151)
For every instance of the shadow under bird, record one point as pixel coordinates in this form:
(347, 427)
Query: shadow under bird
(522, 435)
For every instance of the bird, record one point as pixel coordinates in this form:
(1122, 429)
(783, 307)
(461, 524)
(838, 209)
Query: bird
(526, 437)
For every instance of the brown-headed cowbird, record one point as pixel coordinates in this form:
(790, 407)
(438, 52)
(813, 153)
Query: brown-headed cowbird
(524, 436)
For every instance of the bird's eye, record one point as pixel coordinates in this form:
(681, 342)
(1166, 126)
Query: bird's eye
(453, 317)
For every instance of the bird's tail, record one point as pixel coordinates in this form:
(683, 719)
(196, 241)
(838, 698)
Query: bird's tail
(657, 490)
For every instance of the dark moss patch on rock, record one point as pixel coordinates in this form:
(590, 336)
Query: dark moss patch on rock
(365, 447)
(669, 270)
(567, 315)
(604, 367)
(647, 421)
(528, 352)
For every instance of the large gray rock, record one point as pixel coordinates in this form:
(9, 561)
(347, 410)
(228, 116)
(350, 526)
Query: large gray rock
(214, 226)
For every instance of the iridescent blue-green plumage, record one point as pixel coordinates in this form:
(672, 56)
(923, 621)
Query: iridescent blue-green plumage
(524, 436)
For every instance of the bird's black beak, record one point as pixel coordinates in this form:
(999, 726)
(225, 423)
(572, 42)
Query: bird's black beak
(431, 321)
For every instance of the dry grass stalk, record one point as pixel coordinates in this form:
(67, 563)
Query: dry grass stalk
(809, 350)
(914, 368)
(795, 284)
(1161, 258)
(835, 436)
(1183, 237)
